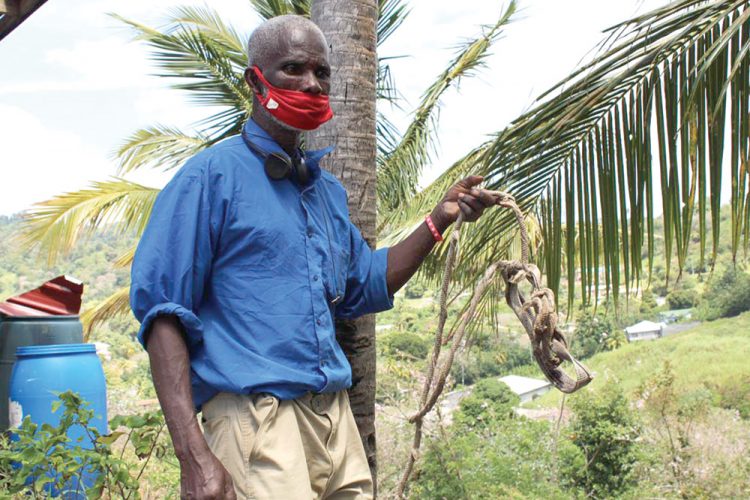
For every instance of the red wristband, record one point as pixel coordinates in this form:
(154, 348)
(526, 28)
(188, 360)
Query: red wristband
(431, 225)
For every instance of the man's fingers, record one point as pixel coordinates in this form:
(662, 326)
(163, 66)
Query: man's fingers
(471, 208)
(488, 198)
(471, 181)
(475, 203)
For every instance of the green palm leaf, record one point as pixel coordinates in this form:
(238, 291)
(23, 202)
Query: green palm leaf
(399, 170)
(658, 100)
(267, 9)
(116, 304)
(57, 224)
(158, 147)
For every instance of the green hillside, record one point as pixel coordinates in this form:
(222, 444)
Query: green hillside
(713, 354)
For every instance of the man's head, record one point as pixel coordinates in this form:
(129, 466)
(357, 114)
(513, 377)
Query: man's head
(292, 54)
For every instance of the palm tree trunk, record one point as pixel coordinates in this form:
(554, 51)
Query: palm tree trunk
(350, 28)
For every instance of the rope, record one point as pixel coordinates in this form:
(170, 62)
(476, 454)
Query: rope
(537, 315)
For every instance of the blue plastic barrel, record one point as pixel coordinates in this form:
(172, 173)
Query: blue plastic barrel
(22, 331)
(41, 372)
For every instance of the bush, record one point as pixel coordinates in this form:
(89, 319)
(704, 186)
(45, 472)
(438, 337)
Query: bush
(592, 335)
(490, 361)
(606, 432)
(414, 290)
(489, 400)
(728, 294)
(511, 458)
(682, 299)
(42, 460)
(406, 344)
(735, 395)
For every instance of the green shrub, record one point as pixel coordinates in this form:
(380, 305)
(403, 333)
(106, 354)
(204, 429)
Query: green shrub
(735, 395)
(728, 294)
(606, 432)
(490, 361)
(43, 459)
(490, 400)
(682, 299)
(414, 290)
(507, 458)
(592, 334)
(406, 344)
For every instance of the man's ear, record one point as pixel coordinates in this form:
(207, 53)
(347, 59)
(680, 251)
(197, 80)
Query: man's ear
(252, 81)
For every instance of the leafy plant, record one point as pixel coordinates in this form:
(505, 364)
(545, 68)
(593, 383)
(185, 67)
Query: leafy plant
(728, 294)
(42, 460)
(595, 332)
(605, 429)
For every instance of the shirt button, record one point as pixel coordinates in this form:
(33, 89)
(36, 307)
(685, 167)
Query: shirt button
(309, 233)
(318, 322)
(315, 278)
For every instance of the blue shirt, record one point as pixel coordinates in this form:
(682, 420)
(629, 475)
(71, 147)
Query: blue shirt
(250, 265)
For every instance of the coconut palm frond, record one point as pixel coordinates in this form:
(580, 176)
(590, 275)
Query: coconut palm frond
(126, 258)
(158, 147)
(57, 224)
(385, 85)
(392, 13)
(651, 111)
(399, 172)
(392, 225)
(116, 304)
(201, 63)
(208, 21)
(267, 9)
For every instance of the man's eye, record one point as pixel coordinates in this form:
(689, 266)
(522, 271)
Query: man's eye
(291, 68)
(323, 73)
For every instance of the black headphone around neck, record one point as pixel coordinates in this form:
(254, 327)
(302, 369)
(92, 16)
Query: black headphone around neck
(279, 166)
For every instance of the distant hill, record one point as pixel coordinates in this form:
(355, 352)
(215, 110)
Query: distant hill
(713, 355)
(91, 261)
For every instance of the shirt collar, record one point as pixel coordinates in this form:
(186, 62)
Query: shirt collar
(260, 137)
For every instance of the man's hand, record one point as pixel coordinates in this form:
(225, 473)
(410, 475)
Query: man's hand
(204, 478)
(463, 197)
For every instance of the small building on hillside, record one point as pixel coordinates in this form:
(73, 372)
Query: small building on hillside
(645, 330)
(526, 388)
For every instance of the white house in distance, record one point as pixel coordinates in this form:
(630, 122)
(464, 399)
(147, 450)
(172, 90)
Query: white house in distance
(526, 388)
(645, 330)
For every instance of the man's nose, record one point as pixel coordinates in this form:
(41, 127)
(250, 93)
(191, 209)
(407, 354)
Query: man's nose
(311, 84)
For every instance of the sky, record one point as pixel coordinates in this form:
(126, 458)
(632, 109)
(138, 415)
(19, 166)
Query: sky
(74, 84)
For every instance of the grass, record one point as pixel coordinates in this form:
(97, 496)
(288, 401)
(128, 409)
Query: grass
(714, 353)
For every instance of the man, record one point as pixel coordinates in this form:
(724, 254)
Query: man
(248, 257)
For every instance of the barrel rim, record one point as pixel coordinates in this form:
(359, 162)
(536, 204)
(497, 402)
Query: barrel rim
(42, 350)
(20, 319)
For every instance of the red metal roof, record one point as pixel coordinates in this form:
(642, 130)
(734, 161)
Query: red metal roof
(59, 296)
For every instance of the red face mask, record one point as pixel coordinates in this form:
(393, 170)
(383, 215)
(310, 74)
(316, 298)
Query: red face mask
(300, 110)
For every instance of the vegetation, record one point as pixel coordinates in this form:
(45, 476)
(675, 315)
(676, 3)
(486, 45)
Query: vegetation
(584, 154)
(43, 461)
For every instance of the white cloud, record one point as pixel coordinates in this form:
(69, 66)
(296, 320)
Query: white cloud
(37, 163)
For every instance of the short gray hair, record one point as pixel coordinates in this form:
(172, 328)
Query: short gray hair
(264, 39)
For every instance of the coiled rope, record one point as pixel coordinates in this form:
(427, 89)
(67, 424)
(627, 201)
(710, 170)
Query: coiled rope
(537, 314)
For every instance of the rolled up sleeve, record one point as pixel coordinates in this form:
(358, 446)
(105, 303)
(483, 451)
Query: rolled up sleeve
(174, 257)
(366, 286)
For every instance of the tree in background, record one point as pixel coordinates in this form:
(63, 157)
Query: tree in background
(605, 430)
(727, 294)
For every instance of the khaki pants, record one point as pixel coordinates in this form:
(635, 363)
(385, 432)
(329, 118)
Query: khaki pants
(307, 448)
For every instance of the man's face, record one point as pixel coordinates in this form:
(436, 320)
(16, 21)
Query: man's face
(299, 62)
